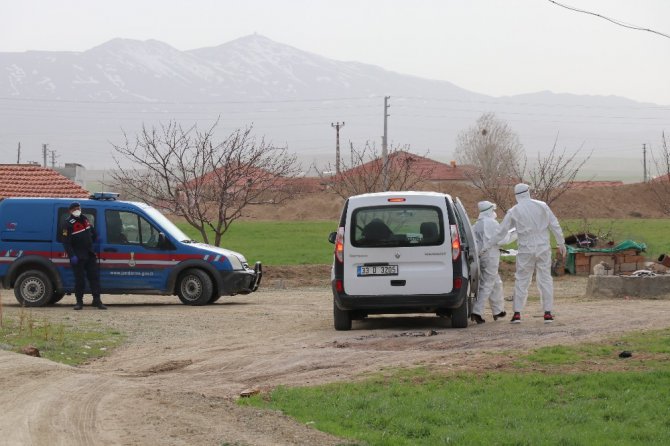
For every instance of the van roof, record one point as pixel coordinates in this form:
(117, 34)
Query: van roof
(399, 194)
(67, 201)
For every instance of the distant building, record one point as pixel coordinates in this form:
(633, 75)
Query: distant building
(29, 180)
(433, 171)
(75, 172)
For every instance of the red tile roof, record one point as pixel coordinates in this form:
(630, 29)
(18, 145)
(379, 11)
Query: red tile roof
(27, 180)
(434, 170)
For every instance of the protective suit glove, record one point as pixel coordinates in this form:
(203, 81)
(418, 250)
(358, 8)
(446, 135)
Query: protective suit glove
(562, 249)
(74, 260)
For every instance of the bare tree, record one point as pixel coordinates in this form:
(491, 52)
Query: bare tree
(496, 156)
(365, 172)
(660, 184)
(208, 183)
(554, 174)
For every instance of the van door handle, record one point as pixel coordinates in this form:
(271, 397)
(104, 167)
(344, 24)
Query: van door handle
(110, 250)
(398, 282)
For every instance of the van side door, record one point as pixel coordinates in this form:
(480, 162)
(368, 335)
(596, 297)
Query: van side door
(469, 244)
(58, 255)
(130, 256)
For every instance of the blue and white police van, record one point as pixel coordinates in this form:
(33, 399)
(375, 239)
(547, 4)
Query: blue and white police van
(139, 251)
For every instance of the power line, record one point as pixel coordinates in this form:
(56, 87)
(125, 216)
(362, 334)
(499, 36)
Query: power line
(616, 22)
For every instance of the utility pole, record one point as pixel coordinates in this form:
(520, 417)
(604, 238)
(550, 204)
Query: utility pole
(53, 158)
(18, 155)
(385, 173)
(644, 161)
(337, 145)
(351, 153)
(44, 155)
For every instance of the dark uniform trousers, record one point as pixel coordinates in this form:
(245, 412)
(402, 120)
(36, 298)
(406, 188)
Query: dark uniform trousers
(87, 268)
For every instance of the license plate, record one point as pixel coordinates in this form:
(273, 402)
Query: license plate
(378, 270)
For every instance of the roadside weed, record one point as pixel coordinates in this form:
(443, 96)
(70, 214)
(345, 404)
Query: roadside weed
(60, 342)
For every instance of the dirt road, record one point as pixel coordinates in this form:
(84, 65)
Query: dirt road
(176, 380)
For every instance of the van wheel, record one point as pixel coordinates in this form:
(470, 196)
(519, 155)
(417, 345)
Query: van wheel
(56, 297)
(459, 316)
(195, 287)
(33, 288)
(342, 318)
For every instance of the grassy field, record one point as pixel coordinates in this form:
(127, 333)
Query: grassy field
(306, 242)
(57, 341)
(581, 395)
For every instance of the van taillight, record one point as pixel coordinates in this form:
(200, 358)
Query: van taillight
(455, 243)
(339, 245)
(339, 286)
(458, 283)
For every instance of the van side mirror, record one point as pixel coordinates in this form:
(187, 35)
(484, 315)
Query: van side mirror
(332, 236)
(164, 242)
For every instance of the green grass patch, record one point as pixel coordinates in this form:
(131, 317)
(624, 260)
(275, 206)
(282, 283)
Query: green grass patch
(278, 242)
(60, 342)
(508, 407)
(306, 242)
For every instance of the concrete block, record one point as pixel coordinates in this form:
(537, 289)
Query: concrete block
(657, 287)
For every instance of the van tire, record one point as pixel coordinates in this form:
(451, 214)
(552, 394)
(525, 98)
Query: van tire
(195, 287)
(33, 288)
(341, 318)
(459, 316)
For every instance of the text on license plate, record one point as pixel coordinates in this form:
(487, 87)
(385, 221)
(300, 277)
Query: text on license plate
(378, 270)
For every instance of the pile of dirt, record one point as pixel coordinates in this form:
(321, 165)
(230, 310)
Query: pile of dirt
(295, 276)
(626, 201)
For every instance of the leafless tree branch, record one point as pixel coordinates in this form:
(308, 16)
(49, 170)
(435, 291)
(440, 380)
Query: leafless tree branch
(208, 183)
(660, 184)
(365, 172)
(497, 158)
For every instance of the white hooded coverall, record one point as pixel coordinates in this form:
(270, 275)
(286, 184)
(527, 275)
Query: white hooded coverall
(533, 220)
(490, 284)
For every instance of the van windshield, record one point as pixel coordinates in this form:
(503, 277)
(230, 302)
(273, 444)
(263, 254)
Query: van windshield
(393, 226)
(170, 228)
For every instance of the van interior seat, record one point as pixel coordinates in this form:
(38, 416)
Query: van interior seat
(429, 231)
(376, 230)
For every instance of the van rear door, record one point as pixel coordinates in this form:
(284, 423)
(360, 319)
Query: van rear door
(397, 246)
(469, 245)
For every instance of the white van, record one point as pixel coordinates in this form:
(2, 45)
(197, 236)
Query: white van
(403, 252)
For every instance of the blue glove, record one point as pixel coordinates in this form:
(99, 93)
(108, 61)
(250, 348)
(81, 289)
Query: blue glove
(74, 260)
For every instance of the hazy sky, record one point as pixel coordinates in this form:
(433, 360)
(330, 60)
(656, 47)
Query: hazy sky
(495, 47)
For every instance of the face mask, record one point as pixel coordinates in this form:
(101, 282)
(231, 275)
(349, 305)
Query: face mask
(76, 213)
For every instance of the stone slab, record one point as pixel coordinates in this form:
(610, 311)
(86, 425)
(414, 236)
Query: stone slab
(626, 286)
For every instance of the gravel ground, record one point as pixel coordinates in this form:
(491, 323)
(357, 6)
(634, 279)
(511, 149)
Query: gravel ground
(177, 378)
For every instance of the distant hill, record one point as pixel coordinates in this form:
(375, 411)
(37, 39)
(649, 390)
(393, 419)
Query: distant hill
(79, 102)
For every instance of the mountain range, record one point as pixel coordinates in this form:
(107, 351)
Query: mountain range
(81, 103)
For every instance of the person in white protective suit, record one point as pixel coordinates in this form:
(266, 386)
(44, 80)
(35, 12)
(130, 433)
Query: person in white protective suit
(490, 284)
(533, 220)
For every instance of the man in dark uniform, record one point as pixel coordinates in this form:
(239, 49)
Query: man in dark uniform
(78, 238)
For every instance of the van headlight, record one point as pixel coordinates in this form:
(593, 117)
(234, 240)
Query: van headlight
(236, 262)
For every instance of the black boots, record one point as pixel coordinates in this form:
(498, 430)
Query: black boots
(477, 318)
(96, 303)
